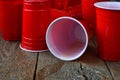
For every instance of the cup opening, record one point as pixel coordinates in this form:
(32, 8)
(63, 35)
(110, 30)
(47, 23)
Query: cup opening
(66, 38)
(110, 5)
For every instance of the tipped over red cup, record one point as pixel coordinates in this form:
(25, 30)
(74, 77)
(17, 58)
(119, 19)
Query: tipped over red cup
(67, 38)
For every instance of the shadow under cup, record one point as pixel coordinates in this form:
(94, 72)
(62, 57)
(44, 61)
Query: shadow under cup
(108, 30)
(66, 38)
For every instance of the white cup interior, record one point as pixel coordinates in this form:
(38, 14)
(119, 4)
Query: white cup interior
(66, 38)
(110, 5)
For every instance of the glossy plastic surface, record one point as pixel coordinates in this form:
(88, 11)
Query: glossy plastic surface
(88, 12)
(36, 18)
(11, 19)
(108, 31)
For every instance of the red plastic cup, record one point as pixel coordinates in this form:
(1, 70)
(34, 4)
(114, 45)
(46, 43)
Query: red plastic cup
(67, 38)
(73, 8)
(11, 19)
(87, 26)
(75, 11)
(73, 2)
(88, 12)
(52, 3)
(108, 30)
(61, 4)
(36, 19)
(55, 13)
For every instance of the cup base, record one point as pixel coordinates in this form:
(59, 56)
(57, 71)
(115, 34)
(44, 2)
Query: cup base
(28, 50)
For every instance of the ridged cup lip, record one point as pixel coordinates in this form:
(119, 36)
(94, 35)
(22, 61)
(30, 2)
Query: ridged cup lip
(109, 5)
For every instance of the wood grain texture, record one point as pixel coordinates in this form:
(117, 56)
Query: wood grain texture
(114, 68)
(93, 67)
(16, 64)
(87, 67)
(47, 65)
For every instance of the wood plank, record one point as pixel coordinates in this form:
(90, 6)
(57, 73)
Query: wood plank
(93, 67)
(47, 65)
(114, 68)
(87, 67)
(16, 64)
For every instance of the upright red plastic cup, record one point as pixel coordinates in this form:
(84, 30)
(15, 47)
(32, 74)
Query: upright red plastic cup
(61, 4)
(11, 19)
(75, 11)
(55, 13)
(72, 7)
(87, 28)
(36, 19)
(51, 3)
(66, 38)
(108, 30)
(88, 12)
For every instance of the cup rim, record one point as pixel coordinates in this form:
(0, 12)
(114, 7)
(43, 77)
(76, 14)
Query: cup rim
(52, 51)
(109, 5)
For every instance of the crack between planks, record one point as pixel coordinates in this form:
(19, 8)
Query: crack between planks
(81, 67)
(109, 70)
(34, 77)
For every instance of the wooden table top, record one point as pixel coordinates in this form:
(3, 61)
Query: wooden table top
(16, 64)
